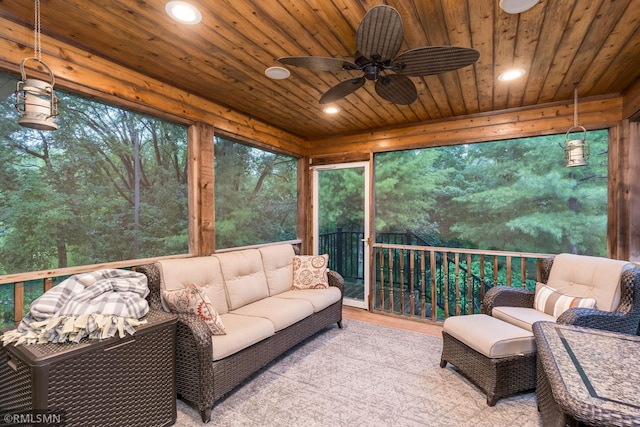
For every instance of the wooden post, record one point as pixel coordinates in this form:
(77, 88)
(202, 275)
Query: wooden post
(18, 301)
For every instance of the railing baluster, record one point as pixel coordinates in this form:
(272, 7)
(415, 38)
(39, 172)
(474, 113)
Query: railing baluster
(381, 261)
(495, 270)
(482, 283)
(508, 268)
(48, 284)
(445, 266)
(456, 260)
(434, 296)
(469, 285)
(18, 301)
(401, 283)
(390, 280)
(412, 301)
(423, 291)
(523, 272)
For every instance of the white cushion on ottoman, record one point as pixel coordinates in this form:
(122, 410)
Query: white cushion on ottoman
(490, 336)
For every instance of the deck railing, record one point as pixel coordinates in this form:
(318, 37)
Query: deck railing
(434, 283)
(421, 282)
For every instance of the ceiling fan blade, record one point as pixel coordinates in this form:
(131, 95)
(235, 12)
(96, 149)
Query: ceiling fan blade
(341, 90)
(379, 35)
(396, 89)
(319, 63)
(425, 61)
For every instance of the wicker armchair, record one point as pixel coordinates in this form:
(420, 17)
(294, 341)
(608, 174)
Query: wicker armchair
(624, 319)
(201, 381)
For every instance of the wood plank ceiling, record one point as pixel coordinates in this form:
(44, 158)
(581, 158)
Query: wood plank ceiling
(558, 42)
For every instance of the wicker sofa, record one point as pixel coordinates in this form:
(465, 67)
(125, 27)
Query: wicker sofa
(251, 290)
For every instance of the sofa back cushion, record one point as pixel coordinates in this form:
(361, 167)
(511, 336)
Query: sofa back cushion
(277, 261)
(589, 277)
(203, 272)
(244, 277)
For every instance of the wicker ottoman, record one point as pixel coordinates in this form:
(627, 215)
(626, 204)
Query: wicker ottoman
(496, 356)
(114, 382)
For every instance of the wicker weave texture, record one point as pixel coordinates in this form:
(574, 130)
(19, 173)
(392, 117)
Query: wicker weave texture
(115, 382)
(624, 319)
(497, 377)
(200, 381)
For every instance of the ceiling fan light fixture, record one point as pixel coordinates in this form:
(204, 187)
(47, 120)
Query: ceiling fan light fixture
(517, 6)
(183, 12)
(511, 74)
(277, 73)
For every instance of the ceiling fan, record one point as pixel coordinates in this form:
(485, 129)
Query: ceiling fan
(378, 40)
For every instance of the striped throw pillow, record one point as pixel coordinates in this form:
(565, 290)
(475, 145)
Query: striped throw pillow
(554, 303)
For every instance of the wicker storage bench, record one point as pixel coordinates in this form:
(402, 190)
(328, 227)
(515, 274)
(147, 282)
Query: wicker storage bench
(123, 382)
(496, 356)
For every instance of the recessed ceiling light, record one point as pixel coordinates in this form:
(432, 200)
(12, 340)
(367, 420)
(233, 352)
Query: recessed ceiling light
(517, 6)
(277, 73)
(511, 75)
(183, 12)
(331, 110)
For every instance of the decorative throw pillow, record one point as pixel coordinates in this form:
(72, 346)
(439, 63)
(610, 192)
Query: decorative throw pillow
(554, 303)
(310, 271)
(193, 300)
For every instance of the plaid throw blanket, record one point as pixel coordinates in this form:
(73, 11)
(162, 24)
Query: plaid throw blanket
(94, 305)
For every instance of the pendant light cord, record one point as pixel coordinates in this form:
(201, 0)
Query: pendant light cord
(36, 32)
(575, 105)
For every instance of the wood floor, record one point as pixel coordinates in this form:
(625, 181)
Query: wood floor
(395, 322)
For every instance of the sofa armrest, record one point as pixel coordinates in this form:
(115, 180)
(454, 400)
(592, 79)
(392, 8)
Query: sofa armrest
(153, 283)
(506, 296)
(336, 279)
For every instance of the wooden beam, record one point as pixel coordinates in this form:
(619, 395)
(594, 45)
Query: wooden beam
(516, 123)
(201, 189)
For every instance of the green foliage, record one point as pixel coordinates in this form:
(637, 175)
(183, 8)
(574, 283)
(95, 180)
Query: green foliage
(514, 195)
(255, 195)
(75, 196)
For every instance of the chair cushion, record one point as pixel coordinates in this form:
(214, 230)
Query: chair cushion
(554, 303)
(242, 331)
(319, 298)
(277, 261)
(490, 336)
(243, 276)
(589, 277)
(281, 312)
(203, 272)
(522, 317)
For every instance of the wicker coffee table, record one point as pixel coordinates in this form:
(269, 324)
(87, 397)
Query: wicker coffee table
(587, 376)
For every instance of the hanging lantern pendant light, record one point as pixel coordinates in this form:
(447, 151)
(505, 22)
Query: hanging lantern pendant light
(576, 151)
(36, 102)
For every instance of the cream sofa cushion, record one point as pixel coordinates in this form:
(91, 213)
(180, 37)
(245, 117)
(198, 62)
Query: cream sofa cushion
(589, 277)
(243, 276)
(281, 312)
(319, 298)
(242, 332)
(490, 336)
(277, 261)
(521, 316)
(204, 272)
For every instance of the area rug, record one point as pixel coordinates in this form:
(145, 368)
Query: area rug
(363, 375)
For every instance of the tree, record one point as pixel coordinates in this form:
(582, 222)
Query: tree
(255, 194)
(108, 185)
